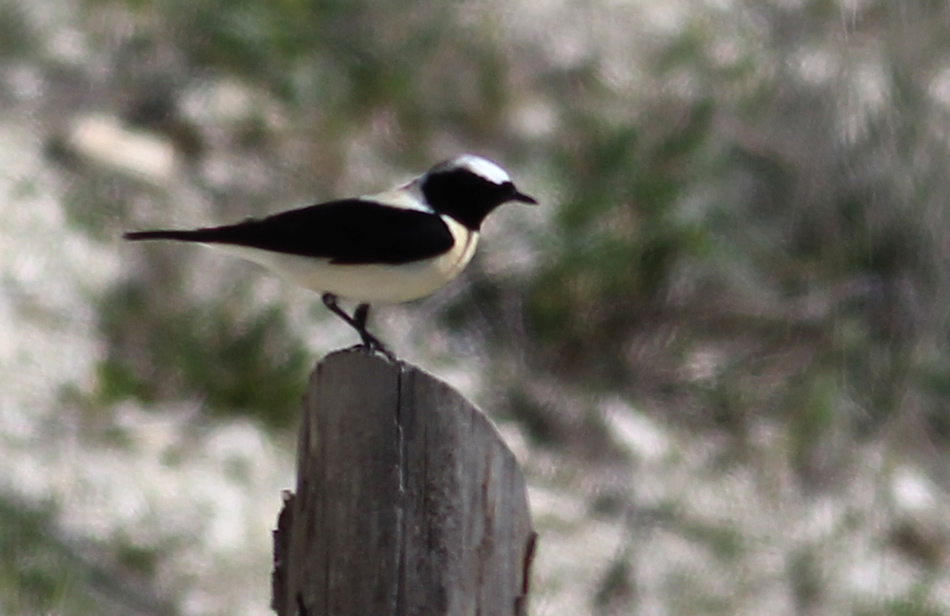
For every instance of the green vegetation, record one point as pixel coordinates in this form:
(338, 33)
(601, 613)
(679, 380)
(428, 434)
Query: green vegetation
(743, 231)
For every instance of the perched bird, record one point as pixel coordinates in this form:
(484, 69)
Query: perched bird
(392, 247)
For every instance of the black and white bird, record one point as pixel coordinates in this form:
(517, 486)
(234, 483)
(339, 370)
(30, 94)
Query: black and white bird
(392, 247)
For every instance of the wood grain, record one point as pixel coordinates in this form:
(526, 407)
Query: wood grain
(408, 502)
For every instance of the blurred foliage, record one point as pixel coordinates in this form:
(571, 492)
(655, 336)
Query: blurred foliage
(775, 226)
(17, 36)
(29, 582)
(749, 232)
(34, 556)
(235, 364)
(746, 225)
(338, 63)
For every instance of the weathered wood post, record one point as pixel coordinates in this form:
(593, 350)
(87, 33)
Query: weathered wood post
(407, 501)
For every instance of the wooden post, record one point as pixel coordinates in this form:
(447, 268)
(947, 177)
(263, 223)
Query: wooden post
(407, 503)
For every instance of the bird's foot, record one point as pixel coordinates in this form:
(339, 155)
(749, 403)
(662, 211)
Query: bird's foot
(372, 349)
(371, 344)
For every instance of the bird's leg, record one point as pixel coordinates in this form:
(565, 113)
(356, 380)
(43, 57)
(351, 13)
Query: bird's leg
(358, 322)
(330, 301)
(360, 317)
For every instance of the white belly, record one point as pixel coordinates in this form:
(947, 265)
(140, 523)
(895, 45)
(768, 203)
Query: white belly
(387, 284)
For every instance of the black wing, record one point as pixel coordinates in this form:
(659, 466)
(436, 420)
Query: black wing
(351, 231)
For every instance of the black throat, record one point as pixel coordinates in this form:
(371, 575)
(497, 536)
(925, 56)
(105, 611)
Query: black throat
(466, 197)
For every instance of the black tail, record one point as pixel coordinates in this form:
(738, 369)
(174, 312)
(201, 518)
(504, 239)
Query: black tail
(196, 235)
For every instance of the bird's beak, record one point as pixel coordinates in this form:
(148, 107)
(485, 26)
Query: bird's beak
(523, 198)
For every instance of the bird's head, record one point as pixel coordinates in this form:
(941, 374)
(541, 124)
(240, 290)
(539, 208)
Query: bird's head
(468, 188)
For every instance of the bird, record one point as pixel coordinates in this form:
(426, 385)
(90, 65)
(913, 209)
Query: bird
(391, 247)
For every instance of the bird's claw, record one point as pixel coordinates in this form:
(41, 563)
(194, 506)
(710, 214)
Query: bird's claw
(372, 349)
(371, 344)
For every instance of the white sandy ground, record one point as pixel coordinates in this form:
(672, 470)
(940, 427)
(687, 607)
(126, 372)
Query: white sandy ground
(214, 497)
(218, 500)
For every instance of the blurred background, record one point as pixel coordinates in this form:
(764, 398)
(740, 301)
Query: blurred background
(720, 348)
